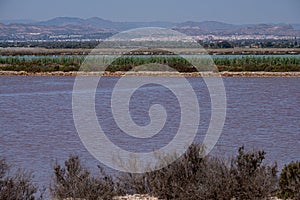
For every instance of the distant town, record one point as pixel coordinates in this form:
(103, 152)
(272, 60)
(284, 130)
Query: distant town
(86, 33)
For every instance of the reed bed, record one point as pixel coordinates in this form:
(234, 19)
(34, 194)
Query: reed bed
(152, 63)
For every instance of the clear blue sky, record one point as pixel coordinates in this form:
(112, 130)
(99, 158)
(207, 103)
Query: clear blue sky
(230, 11)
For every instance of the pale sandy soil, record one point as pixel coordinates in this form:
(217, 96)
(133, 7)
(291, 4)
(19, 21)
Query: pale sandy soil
(148, 197)
(135, 197)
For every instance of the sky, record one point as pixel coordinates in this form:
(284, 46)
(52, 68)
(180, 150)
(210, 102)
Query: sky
(229, 11)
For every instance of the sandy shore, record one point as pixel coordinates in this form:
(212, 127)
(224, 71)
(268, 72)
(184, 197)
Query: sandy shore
(135, 197)
(154, 73)
(148, 197)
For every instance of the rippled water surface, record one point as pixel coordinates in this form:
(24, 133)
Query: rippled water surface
(37, 127)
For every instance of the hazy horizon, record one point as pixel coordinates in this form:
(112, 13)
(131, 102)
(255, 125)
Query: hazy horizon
(33, 21)
(230, 11)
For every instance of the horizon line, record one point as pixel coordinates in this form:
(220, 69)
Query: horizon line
(148, 21)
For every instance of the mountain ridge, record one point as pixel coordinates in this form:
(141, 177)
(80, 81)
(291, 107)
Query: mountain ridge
(96, 27)
(208, 24)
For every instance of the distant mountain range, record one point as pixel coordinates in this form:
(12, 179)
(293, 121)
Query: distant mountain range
(97, 28)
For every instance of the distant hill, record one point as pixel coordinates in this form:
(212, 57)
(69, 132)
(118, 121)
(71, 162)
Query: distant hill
(97, 22)
(96, 28)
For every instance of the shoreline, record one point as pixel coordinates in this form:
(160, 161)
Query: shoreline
(154, 73)
(21, 51)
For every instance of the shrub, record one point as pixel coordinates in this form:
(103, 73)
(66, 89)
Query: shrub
(251, 178)
(73, 181)
(192, 177)
(196, 177)
(16, 185)
(289, 182)
(176, 181)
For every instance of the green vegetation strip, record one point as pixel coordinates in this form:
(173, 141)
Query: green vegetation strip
(126, 63)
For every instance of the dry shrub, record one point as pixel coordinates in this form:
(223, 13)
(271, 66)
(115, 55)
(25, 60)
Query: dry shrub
(251, 178)
(16, 184)
(191, 177)
(74, 181)
(194, 176)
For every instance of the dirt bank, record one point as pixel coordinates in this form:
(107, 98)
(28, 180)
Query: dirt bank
(114, 51)
(148, 73)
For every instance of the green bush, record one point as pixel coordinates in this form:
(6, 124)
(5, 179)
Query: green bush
(289, 182)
